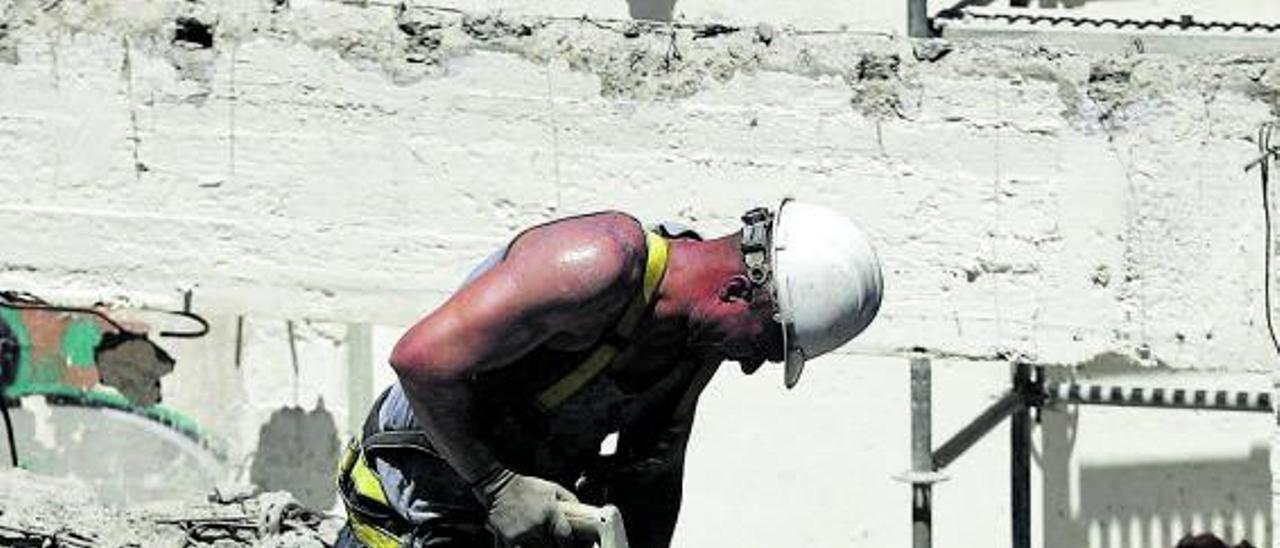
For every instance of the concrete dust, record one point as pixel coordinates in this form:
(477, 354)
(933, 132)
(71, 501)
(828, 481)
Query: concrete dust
(38, 510)
(1265, 85)
(1122, 86)
(876, 85)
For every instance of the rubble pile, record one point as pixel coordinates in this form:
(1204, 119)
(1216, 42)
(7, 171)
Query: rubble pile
(45, 512)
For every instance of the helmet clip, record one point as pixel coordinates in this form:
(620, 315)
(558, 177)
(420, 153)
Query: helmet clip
(755, 244)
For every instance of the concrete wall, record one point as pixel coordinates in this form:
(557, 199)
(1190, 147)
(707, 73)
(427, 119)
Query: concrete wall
(343, 165)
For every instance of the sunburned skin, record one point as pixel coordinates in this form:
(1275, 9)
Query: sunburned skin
(583, 255)
(559, 288)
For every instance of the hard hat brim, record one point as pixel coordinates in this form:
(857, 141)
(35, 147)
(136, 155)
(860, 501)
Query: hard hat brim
(794, 367)
(793, 357)
(827, 282)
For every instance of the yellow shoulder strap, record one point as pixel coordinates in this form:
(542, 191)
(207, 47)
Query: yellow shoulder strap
(603, 355)
(365, 483)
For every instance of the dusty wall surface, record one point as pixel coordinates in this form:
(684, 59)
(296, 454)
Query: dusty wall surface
(347, 163)
(870, 17)
(1049, 202)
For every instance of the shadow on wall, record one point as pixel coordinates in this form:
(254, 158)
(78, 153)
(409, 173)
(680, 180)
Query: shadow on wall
(1152, 505)
(1156, 504)
(652, 10)
(298, 452)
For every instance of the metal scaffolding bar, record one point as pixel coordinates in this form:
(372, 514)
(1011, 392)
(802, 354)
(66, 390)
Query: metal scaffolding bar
(918, 19)
(1031, 391)
(1167, 398)
(975, 430)
(921, 452)
(1020, 457)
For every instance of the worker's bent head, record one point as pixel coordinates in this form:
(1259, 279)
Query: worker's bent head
(822, 272)
(809, 281)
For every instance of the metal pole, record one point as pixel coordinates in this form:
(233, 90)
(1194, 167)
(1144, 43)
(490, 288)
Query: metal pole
(360, 367)
(921, 452)
(1020, 458)
(918, 19)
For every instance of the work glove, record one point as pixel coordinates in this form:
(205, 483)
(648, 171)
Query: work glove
(524, 510)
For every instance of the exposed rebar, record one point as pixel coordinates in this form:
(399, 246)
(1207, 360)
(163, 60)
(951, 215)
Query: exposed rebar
(1167, 398)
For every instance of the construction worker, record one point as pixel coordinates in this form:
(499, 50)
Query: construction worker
(584, 330)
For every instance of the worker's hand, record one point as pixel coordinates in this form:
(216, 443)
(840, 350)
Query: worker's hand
(524, 513)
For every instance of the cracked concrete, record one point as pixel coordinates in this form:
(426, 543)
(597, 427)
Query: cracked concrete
(8, 53)
(631, 59)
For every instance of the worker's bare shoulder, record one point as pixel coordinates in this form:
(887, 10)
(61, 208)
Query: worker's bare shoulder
(585, 257)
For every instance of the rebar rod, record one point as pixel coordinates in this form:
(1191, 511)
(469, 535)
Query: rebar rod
(1168, 398)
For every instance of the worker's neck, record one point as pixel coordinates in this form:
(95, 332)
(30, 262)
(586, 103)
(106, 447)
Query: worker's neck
(695, 271)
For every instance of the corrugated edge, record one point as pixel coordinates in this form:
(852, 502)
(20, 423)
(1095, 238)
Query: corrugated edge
(1041, 19)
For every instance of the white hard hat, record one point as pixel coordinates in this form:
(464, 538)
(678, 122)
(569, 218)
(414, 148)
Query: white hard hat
(823, 273)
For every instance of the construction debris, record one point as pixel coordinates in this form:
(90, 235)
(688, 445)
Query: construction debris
(43, 512)
(22, 537)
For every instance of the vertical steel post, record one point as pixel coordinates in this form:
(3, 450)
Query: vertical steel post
(918, 19)
(360, 366)
(921, 452)
(1020, 457)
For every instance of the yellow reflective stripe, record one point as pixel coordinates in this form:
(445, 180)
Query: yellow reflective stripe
(371, 535)
(653, 272)
(655, 268)
(348, 458)
(579, 377)
(657, 265)
(366, 482)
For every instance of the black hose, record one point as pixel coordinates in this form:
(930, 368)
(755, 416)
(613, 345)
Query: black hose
(8, 431)
(26, 301)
